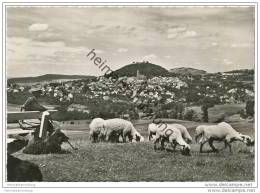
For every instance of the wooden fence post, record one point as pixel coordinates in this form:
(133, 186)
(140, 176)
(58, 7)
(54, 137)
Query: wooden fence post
(44, 124)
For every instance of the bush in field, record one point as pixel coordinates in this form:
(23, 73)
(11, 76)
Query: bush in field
(133, 115)
(17, 98)
(180, 110)
(242, 113)
(177, 110)
(250, 105)
(206, 104)
(220, 119)
(173, 114)
(191, 115)
(205, 113)
(165, 114)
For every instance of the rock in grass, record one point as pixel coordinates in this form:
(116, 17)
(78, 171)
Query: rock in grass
(22, 171)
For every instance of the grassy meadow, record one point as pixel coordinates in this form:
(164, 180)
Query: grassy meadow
(139, 162)
(219, 111)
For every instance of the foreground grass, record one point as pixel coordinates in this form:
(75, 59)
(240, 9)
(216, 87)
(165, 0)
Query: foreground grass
(139, 162)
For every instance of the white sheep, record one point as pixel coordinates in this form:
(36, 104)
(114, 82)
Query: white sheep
(173, 136)
(96, 127)
(184, 132)
(152, 128)
(114, 128)
(220, 132)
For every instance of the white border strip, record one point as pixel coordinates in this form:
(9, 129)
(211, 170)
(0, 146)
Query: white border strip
(185, 185)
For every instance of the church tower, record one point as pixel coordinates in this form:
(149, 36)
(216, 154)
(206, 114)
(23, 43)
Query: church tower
(137, 74)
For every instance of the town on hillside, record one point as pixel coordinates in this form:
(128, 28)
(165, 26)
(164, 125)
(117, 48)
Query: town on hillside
(171, 95)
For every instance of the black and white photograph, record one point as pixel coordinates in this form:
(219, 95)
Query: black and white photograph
(159, 93)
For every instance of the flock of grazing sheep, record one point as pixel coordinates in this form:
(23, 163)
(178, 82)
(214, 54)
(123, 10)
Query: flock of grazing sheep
(112, 130)
(119, 130)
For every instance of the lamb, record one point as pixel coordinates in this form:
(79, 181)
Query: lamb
(96, 127)
(114, 128)
(220, 132)
(184, 132)
(172, 135)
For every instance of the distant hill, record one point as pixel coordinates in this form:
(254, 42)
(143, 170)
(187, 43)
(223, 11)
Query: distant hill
(247, 71)
(186, 71)
(145, 68)
(46, 77)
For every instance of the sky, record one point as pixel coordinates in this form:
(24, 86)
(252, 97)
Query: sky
(56, 40)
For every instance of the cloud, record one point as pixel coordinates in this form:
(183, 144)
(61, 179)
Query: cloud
(38, 27)
(189, 34)
(159, 31)
(168, 56)
(124, 29)
(99, 51)
(31, 52)
(180, 32)
(227, 61)
(149, 57)
(176, 31)
(214, 44)
(47, 36)
(27, 57)
(241, 45)
(121, 50)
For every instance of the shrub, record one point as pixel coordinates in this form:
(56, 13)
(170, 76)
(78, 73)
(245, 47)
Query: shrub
(173, 114)
(207, 103)
(221, 118)
(17, 98)
(191, 115)
(242, 113)
(250, 108)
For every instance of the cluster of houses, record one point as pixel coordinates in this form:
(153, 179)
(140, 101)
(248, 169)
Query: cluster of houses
(153, 90)
(15, 88)
(63, 92)
(136, 88)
